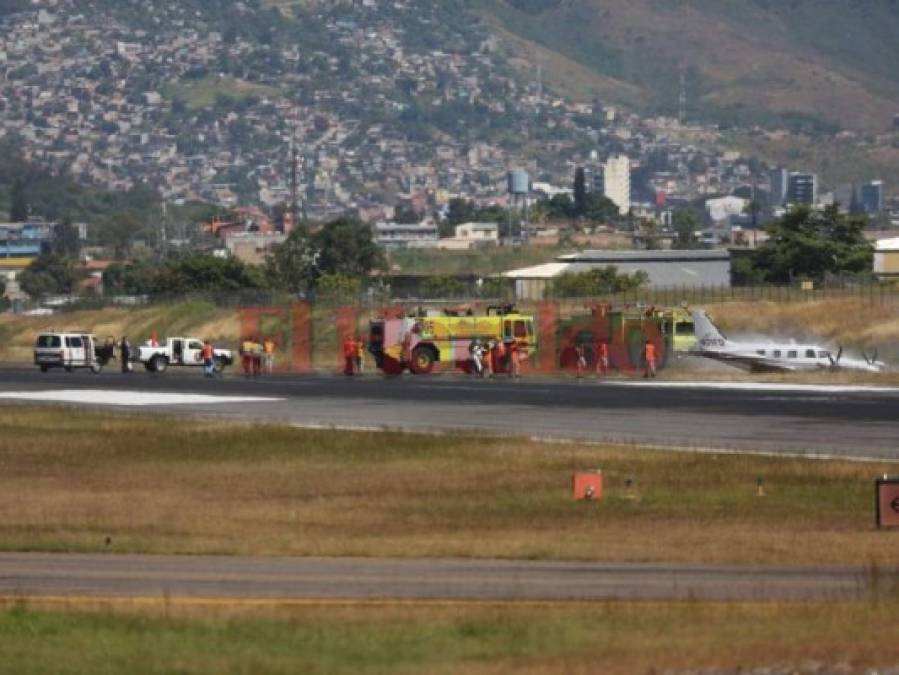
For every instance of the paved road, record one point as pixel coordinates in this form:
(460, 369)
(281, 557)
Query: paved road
(130, 576)
(828, 420)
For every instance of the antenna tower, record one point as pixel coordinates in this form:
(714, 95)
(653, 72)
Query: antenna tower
(682, 99)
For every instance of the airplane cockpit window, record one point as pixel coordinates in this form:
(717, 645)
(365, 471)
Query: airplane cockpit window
(760, 352)
(792, 354)
(823, 355)
(809, 353)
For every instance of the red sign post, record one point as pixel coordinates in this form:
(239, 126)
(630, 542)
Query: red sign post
(887, 501)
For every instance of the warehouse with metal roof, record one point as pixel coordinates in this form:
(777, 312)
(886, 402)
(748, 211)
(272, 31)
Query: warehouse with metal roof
(665, 269)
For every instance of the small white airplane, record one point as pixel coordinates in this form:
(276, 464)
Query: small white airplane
(773, 357)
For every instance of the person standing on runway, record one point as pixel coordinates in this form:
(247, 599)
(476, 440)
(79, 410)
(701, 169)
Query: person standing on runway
(208, 359)
(125, 354)
(649, 356)
(268, 349)
(581, 360)
(350, 352)
(602, 358)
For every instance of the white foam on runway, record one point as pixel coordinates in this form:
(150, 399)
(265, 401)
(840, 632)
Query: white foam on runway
(127, 398)
(760, 386)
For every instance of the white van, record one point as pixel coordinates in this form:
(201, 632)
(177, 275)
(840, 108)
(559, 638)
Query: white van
(67, 350)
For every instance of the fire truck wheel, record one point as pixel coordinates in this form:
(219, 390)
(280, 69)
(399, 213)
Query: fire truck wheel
(422, 360)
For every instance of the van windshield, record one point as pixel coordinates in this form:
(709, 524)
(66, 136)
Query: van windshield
(48, 341)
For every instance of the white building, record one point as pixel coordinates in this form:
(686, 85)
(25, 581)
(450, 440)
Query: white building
(472, 235)
(886, 258)
(616, 178)
(721, 210)
(406, 235)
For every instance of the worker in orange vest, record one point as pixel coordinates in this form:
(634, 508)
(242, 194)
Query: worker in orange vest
(514, 359)
(649, 356)
(350, 351)
(602, 358)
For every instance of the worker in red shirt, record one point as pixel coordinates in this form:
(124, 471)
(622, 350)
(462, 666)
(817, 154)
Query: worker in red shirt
(602, 358)
(208, 354)
(649, 356)
(350, 351)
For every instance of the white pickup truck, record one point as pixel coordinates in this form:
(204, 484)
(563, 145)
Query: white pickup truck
(179, 351)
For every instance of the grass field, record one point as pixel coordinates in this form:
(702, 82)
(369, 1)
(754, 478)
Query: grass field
(477, 261)
(70, 479)
(613, 638)
(204, 93)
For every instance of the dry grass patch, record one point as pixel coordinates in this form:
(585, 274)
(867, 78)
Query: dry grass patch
(70, 479)
(614, 638)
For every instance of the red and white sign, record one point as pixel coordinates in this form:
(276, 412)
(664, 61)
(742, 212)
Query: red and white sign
(888, 502)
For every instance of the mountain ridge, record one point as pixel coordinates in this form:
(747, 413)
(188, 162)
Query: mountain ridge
(815, 65)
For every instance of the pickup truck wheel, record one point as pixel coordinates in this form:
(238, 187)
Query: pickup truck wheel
(220, 365)
(150, 367)
(44, 369)
(422, 360)
(160, 364)
(96, 368)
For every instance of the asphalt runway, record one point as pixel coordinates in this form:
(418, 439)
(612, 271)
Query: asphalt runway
(840, 421)
(91, 576)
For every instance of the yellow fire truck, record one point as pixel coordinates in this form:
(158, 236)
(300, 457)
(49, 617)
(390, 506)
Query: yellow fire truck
(427, 338)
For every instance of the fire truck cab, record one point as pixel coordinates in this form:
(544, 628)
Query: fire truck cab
(428, 338)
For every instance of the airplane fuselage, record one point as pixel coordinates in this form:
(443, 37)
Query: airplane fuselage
(774, 357)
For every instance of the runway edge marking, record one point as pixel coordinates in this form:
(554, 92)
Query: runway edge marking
(621, 443)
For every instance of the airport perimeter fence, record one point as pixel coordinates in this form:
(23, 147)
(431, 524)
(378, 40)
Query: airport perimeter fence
(310, 335)
(867, 294)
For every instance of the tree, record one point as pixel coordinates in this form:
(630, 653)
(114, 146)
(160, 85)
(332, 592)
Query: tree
(460, 211)
(580, 192)
(599, 208)
(66, 241)
(338, 289)
(558, 207)
(685, 224)
(405, 214)
(204, 273)
(598, 281)
(346, 246)
(48, 274)
(806, 244)
(343, 247)
(18, 203)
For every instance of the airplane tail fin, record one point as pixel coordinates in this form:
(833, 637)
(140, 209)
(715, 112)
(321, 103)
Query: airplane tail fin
(705, 329)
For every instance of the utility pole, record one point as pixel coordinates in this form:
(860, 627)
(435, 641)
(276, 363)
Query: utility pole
(682, 99)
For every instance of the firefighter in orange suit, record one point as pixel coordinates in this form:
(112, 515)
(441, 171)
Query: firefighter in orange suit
(350, 350)
(649, 356)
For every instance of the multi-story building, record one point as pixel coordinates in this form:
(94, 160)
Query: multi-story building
(25, 240)
(403, 235)
(802, 188)
(871, 196)
(616, 182)
(778, 179)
